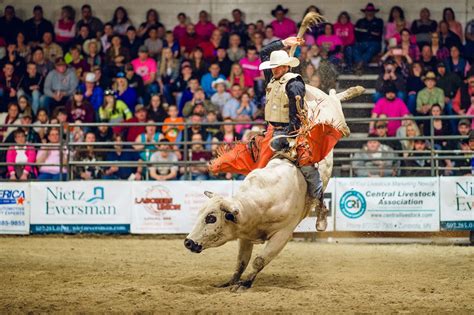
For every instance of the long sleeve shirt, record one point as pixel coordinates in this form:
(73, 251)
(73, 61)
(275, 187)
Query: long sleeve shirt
(427, 97)
(369, 31)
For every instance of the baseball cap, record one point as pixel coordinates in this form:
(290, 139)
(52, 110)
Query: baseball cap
(139, 107)
(143, 49)
(120, 75)
(90, 77)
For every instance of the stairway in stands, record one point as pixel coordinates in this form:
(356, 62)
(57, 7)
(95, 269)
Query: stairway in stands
(359, 107)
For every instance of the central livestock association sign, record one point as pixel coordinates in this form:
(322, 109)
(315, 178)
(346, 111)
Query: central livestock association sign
(76, 207)
(387, 204)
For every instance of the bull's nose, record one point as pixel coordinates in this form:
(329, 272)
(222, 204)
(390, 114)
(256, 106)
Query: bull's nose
(188, 243)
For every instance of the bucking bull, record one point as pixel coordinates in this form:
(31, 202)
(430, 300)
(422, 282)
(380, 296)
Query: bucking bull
(270, 202)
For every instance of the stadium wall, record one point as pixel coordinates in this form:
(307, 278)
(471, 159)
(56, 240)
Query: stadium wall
(425, 204)
(254, 10)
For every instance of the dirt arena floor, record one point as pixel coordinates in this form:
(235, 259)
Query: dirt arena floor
(144, 275)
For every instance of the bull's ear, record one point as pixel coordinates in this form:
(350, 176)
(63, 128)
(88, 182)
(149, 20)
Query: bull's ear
(209, 194)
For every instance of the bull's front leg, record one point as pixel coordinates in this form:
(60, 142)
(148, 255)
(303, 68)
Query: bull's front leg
(274, 246)
(243, 258)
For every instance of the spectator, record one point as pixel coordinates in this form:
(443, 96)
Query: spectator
(94, 24)
(198, 64)
(107, 36)
(209, 78)
(221, 96)
(10, 25)
(179, 31)
(465, 163)
(344, 29)
(381, 131)
(121, 154)
(78, 63)
(135, 81)
(250, 66)
(22, 48)
(156, 109)
(330, 42)
(414, 85)
(408, 130)
(153, 42)
(181, 83)
(197, 154)
(36, 27)
(25, 106)
(171, 42)
(230, 108)
(269, 35)
(423, 27)
(311, 35)
(366, 164)
(421, 164)
(209, 47)
(189, 41)
(391, 107)
(120, 21)
(51, 50)
(11, 117)
(168, 170)
(457, 64)
(79, 108)
(196, 127)
(462, 99)
(257, 41)
(59, 85)
(227, 133)
(19, 154)
(9, 82)
(469, 47)
(188, 94)
(89, 155)
(437, 127)
(245, 113)
(140, 116)
(146, 68)
(437, 50)
(235, 52)
(145, 143)
(450, 18)
(113, 110)
(31, 85)
(223, 61)
(430, 95)
(391, 75)
(449, 82)
(51, 156)
(237, 76)
(198, 105)
(93, 93)
(116, 56)
(152, 21)
(104, 133)
(170, 130)
(43, 66)
(204, 27)
(168, 72)
(132, 42)
(83, 34)
(448, 38)
(238, 26)
(41, 119)
(15, 59)
(283, 27)
(65, 27)
(409, 49)
(428, 62)
(124, 92)
(368, 33)
(396, 23)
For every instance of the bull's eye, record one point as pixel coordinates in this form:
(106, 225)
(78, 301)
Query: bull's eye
(210, 219)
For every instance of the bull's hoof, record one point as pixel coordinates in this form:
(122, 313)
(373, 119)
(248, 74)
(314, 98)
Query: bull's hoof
(224, 285)
(241, 286)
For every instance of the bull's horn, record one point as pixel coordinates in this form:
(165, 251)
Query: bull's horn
(209, 194)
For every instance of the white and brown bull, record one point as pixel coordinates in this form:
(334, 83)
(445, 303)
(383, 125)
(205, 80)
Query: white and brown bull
(268, 206)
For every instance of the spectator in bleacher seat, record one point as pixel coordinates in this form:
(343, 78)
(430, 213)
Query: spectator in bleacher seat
(196, 127)
(173, 124)
(9, 85)
(389, 106)
(180, 85)
(59, 85)
(438, 51)
(423, 27)
(22, 48)
(269, 35)
(257, 41)
(83, 34)
(132, 131)
(10, 117)
(223, 61)
(124, 92)
(408, 46)
(89, 154)
(198, 105)
(113, 110)
(168, 73)
(25, 106)
(132, 42)
(116, 56)
(456, 63)
(189, 41)
(152, 19)
(447, 38)
(104, 133)
(368, 33)
(420, 165)
(231, 106)
(145, 143)
(283, 27)
(51, 155)
(188, 93)
(429, 95)
(43, 66)
(469, 46)
(65, 27)
(153, 42)
(171, 42)
(245, 113)
(18, 154)
(221, 96)
(31, 85)
(10, 24)
(36, 26)
(228, 132)
(164, 154)
(396, 23)
(344, 29)
(41, 119)
(465, 162)
(401, 60)
(237, 25)
(235, 52)
(414, 85)
(31, 135)
(448, 81)
(120, 21)
(209, 78)
(106, 37)
(156, 110)
(427, 60)
(204, 27)
(366, 164)
(331, 43)
(94, 24)
(409, 129)
(197, 153)
(437, 127)
(78, 63)
(197, 63)
(92, 92)
(209, 46)
(179, 31)
(450, 18)
(391, 75)
(250, 64)
(14, 58)
(146, 68)
(121, 154)
(78, 108)
(237, 76)
(462, 100)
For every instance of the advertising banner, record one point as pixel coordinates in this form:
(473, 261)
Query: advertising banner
(171, 207)
(309, 224)
(457, 203)
(81, 207)
(387, 204)
(15, 208)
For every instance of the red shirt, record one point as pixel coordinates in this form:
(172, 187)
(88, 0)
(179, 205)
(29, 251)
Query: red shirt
(132, 131)
(204, 30)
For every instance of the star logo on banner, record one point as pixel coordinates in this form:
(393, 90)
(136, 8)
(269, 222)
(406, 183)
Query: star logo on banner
(20, 201)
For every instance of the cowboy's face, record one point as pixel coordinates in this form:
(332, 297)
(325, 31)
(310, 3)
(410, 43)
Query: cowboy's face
(369, 14)
(279, 15)
(279, 71)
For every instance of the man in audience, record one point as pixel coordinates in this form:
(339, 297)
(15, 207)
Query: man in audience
(8, 86)
(169, 169)
(121, 154)
(423, 27)
(283, 27)
(462, 99)
(146, 68)
(366, 164)
(198, 105)
(140, 116)
(10, 25)
(204, 27)
(59, 85)
(51, 50)
(95, 24)
(429, 95)
(197, 154)
(231, 106)
(421, 164)
(36, 27)
(209, 78)
(368, 33)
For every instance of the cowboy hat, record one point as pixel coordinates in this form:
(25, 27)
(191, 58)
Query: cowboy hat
(220, 81)
(430, 75)
(279, 58)
(86, 44)
(370, 7)
(279, 8)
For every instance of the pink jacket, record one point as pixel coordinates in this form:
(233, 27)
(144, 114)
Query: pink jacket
(11, 159)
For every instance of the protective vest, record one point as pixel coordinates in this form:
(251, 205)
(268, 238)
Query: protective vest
(277, 107)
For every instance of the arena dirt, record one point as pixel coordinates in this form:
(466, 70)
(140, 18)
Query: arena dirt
(70, 274)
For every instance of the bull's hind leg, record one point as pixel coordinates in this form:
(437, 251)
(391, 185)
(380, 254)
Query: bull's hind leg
(271, 249)
(245, 252)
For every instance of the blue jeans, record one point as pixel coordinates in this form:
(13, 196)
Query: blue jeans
(448, 110)
(195, 177)
(365, 51)
(348, 55)
(51, 177)
(411, 104)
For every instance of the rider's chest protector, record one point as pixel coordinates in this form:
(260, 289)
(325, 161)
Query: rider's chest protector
(277, 108)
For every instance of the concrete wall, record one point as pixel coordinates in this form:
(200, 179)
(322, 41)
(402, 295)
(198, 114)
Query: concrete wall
(253, 10)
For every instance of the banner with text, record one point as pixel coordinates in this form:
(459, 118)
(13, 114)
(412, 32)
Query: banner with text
(457, 203)
(15, 208)
(171, 207)
(387, 204)
(81, 207)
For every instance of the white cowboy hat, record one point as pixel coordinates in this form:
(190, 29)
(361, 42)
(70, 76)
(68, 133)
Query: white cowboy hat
(220, 81)
(85, 46)
(279, 58)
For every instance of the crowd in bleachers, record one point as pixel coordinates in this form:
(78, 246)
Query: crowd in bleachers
(78, 69)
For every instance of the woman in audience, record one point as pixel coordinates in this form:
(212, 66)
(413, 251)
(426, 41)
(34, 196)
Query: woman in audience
(117, 56)
(440, 52)
(344, 29)
(257, 41)
(89, 154)
(414, 85)
(245, 113)
(43, 66)
(396, 22)
(168, 72)
(92, 49)
(228, 134)
(113, 110)
(25, 106)
(106, 37)
(456, 63)
(79, 108)
(237, 76)
(124, 92)
(198, 64)
(51, 156)
(450, 18)
(448, 38)
(409, 129)
(41, 119)
(235, 52)
(330, 42)
(156, 110)
(147, 141)
(152, 20)
(409, 48)
(18, 154)
(22, 48)
(11, 117)
(65, 27)
(120, 21)
(440, 127)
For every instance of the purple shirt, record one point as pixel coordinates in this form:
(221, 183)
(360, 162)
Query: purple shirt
(391, 109)
(284, 29)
